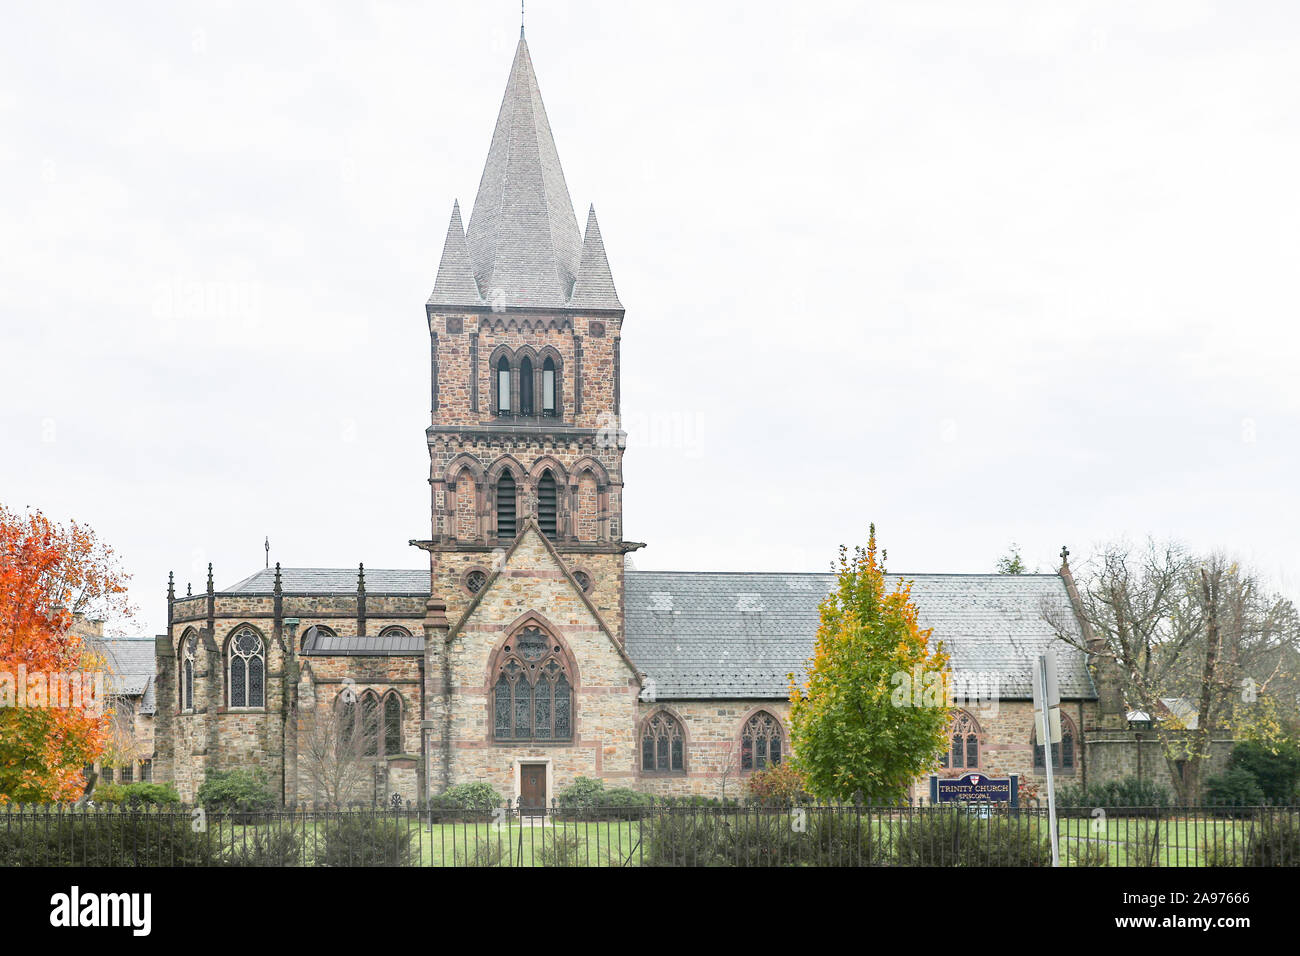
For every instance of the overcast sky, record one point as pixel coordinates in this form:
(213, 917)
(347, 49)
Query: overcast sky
(980, 272)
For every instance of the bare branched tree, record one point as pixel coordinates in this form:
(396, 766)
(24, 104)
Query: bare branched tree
(1172, 625)
(331, 752)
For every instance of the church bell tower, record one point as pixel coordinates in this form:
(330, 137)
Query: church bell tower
(524, 325)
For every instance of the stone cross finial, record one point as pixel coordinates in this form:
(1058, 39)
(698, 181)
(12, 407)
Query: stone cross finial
(1065, 556)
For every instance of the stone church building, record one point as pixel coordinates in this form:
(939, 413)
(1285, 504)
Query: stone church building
(529, 654)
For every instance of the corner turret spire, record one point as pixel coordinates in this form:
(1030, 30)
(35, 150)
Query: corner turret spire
(455, 284)
(594, 288)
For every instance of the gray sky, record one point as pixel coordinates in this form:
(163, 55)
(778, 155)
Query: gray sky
(979, 272)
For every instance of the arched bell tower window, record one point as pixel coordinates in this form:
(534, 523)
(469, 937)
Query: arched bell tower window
(532, 693)
(503, 386)
(507, 506)
(761, 742)
(526, 386)
(547, 504)
(550, 400)
(247, 674)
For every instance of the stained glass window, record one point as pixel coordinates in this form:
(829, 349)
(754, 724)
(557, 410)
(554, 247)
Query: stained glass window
(247, 670)
(502, 714)
(532, 698)
(369, 724)
(662, 749)
(347, 723)
(238, 683)
(189, 651)
(563, 709)
(523, 710)
(392, 725)
(964, 744)
(1062, 753)
(760, 742)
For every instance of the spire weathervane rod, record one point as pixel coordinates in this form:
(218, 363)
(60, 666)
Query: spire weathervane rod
(521, 19)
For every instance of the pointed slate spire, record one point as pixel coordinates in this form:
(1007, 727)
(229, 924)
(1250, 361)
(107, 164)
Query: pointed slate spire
(455, 284)
(523, 238)
(594, 288)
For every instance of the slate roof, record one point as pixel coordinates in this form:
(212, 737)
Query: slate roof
(131, 668)
(523, 237)
(384, 645)
(720, 635)
(334, 581)
(724, 635)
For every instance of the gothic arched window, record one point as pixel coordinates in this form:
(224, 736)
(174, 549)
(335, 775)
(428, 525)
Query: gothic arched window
(189, 650)
(347, 740)
(963, 743)
(525, 386)
(506, 505)
(1062, 753)
(550, 387)
(392, 724)
(547, 504)
(503, 386)
(369, 724)
(247, 669)
(761, 742)
(532, 694)
(663, 745)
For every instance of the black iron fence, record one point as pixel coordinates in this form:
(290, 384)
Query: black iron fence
(651, 835)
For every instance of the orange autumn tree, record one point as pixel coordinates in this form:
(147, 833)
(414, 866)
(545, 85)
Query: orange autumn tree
(874, 710)
(48, 573)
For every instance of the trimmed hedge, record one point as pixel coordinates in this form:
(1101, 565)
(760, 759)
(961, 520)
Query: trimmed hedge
(102, 838)
(231, 791)
(1128, 796)
(363, 840)
(955, 838)
(586, 798)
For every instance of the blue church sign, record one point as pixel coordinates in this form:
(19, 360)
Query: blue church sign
(975, 787)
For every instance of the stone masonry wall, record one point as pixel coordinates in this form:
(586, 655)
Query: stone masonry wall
(464, 343)
(532, 589)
